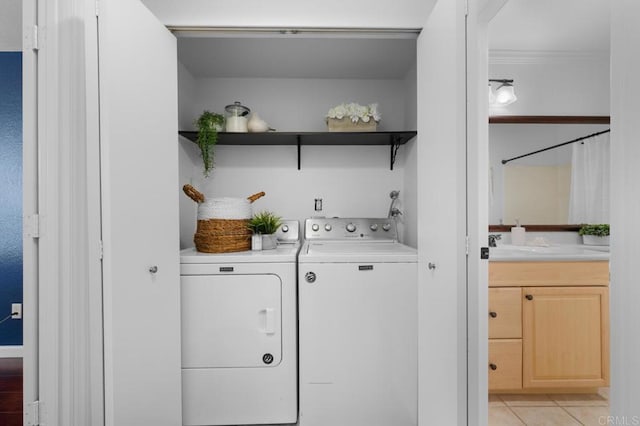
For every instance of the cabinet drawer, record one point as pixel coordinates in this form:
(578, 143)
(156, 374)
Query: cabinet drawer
(505, 364)
(505, 313)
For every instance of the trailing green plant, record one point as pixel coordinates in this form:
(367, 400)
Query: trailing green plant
(208, 124)
(599, 230)
(264, 222)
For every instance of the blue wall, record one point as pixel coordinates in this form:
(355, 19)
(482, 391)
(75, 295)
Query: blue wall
(10, 194)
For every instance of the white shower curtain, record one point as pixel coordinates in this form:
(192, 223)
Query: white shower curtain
(589, 197)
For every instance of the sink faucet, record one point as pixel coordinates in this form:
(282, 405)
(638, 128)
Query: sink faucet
(493, 238)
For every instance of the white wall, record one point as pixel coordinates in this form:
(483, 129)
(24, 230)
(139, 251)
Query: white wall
(291, 105)
(545, 84)
(294, 13)
(552, 85)
(10, 25)
(353, 181)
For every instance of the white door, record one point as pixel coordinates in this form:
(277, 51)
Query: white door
(441, 150)
(139, 160)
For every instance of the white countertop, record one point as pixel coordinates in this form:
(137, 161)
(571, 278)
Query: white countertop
(557, 252)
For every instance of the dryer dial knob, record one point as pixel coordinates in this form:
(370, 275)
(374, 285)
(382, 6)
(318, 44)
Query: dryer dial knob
(285, 228)
(386, 226)
(351, 227)
(327, 227)
(315, 227)
(374, 227)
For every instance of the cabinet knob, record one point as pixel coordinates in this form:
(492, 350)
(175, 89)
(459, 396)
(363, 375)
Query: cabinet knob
(493, 314)
(529, 297)
(493, 366)
(432, 266)
(153, 269)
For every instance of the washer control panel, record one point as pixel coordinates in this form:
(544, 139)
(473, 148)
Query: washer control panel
(341, 228)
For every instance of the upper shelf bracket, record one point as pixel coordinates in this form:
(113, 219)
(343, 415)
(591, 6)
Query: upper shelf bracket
(298, 143)
(394, 145)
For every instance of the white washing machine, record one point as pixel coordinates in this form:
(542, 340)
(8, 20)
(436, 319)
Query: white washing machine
(358, 352)
(238, 313)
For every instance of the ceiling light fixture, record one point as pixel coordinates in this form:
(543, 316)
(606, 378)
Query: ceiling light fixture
(504, 94)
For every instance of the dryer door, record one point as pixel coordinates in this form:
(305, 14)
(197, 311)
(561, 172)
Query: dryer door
(231, 321)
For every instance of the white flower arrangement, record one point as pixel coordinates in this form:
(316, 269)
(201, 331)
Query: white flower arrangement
(355, 112)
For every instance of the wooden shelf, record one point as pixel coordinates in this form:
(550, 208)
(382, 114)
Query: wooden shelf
(391, 139)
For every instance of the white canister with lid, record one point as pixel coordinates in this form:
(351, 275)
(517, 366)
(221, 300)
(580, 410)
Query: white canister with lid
(236, 117)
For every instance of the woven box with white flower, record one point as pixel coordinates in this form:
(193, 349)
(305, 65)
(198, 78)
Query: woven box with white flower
(353, 118)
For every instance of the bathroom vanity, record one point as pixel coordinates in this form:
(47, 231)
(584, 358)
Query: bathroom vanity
(548, 319)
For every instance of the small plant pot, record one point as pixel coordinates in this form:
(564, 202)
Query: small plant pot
(594, 240)
(269, 241)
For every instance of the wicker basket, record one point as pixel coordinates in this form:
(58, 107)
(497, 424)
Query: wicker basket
(221, 235)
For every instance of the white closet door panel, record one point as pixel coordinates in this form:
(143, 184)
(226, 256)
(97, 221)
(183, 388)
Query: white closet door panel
(138, 126)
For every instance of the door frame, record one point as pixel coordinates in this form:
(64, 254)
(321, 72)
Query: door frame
(63, 368)
(29, 208)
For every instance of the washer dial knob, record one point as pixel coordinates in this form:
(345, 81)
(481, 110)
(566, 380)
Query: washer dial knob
(285, 228)
(315, 227)
(386, 226)
(374, 227)
(327, 227)
(351, 227)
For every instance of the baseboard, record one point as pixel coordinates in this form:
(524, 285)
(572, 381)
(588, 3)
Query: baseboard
(11, 351)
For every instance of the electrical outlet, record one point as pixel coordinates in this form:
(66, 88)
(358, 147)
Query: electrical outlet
(16, 311)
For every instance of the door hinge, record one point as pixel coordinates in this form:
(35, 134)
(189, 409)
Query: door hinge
(31, 39)
(466, 8)
(97, 8)
(101, 250)
(32, 226)
(466, 245)
(32, 416)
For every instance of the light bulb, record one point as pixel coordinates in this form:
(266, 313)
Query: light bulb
(505, 94)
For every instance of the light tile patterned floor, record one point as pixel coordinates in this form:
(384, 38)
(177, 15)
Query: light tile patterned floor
(549, 410)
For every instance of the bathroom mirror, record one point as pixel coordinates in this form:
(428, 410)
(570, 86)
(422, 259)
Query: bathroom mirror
(535, 189)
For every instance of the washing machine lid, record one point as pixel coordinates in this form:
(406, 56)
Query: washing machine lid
(284, 253)
(353, 252)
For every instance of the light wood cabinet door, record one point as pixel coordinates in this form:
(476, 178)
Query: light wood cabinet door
(505, 364)
(565, 337)
(505, 313)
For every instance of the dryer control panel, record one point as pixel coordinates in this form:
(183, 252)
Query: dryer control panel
(351, 229)
(289, 232)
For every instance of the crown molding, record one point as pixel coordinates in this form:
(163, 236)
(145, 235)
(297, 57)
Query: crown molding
(529, 57)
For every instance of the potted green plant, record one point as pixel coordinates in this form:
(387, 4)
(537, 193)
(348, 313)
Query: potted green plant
(266, 224)
(595, 235)
(209, 124)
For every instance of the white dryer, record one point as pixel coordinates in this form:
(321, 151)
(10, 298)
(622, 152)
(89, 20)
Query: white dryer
(239, 355)
(357, 290)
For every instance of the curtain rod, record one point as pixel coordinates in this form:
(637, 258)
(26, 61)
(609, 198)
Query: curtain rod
(557, 146)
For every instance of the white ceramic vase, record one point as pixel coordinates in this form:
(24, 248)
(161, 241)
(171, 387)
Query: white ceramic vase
(269, 241)
(594, 240)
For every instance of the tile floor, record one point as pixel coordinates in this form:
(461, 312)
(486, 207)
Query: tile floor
(549, 410)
